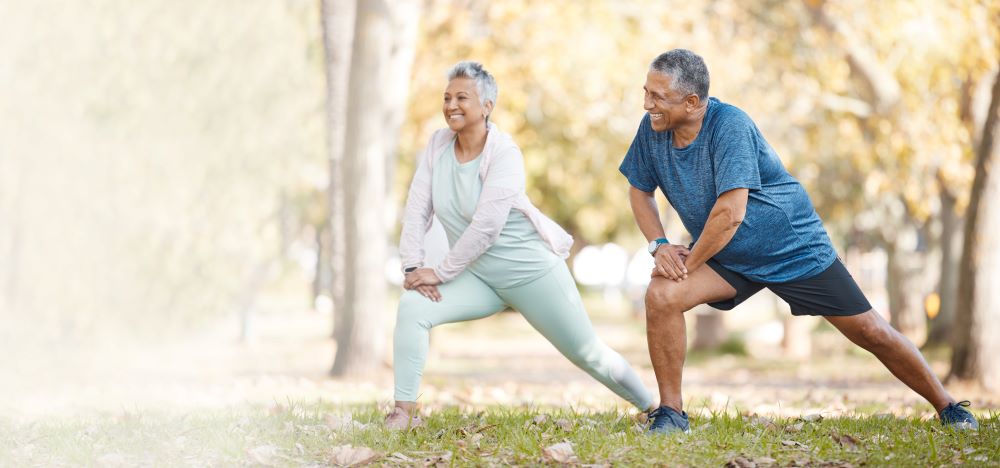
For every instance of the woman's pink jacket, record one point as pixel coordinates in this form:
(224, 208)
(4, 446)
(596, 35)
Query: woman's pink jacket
(503, 190)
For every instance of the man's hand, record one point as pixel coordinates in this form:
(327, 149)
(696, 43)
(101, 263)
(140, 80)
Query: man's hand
(669, 262)
(424, 281)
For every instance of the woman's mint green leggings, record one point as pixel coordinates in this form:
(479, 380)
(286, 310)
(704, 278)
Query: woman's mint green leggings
(551, 304)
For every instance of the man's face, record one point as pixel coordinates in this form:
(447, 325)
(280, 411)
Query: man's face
(667, 108)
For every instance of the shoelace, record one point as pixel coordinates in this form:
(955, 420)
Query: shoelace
(660, 418)
(953, 407)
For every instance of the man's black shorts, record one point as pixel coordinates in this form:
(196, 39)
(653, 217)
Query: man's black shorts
(832, 292)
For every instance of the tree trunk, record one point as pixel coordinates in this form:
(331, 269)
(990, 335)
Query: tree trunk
(796, 339)
(338, 39)
(906, 286)
(376, 66)
(977, 319)
(947, 287)
(709, 328)
(322, 271)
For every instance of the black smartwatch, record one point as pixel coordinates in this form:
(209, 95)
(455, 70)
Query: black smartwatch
(410, 270)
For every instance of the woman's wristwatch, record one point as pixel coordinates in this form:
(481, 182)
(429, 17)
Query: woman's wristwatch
(410, 270)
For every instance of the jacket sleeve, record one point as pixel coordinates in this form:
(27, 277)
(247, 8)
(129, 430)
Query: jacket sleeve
(503, 184)
(417, 214)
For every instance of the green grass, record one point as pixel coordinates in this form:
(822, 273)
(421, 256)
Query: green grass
(297, 434)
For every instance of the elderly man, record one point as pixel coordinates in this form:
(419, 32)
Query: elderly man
(754, 227)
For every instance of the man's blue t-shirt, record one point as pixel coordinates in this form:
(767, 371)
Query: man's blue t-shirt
(781, 238)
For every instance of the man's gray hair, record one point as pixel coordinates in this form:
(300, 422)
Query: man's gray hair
(688, 70)
(486, 86)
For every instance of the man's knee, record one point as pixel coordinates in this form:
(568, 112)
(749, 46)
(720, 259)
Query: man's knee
(666, 297)
(875, 334)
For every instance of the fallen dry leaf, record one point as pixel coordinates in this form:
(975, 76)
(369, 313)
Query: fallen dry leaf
(399, 457)
(792, 443)
(540, 419)
(564, 424)
(342, 423)
(815, 417)
(765, 461)
(740, 462)
(560, 453)
(437, 459)
(761, 421)
(797, 427)
(346, 455)
(847, 441)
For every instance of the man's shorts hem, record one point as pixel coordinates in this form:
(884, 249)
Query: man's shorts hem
(830, 293)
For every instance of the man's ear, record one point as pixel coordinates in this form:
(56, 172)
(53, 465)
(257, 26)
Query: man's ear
(692, 101)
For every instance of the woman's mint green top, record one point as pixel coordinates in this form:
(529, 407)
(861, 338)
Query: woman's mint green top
(518, 256)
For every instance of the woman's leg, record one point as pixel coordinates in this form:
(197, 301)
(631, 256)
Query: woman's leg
(464, 298)
(553, 306)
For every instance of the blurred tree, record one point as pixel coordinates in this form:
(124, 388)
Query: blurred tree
(149, 198)
(975, 100)
(977, 326)
(380, 63)
(903, 133)
(338, 18)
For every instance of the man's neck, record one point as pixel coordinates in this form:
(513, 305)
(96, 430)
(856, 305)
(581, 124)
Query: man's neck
(685, 134)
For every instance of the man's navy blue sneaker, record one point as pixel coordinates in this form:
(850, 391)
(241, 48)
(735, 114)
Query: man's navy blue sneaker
(665, 420)
(957, 417)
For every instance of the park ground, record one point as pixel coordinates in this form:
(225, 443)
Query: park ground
(494, 393)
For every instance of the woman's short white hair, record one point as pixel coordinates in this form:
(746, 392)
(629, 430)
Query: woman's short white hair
(486, 86)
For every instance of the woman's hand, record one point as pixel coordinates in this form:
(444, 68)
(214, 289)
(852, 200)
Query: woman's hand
(430, 292)
(424, 281)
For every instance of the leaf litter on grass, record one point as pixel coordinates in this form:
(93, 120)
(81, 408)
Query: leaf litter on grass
(560, 453)
(348, 455)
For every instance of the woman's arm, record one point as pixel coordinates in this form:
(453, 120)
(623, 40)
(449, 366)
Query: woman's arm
(504, 183)
(417, 214)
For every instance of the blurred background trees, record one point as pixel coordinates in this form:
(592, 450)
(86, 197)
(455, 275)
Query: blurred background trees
(164, 164)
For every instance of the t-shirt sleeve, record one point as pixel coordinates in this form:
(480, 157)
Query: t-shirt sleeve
(637, 166)
(736, 142)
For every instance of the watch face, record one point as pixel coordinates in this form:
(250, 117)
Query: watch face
(652, 247)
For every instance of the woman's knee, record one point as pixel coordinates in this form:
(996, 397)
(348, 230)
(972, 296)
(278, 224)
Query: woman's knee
(590, 355)
(411, 304)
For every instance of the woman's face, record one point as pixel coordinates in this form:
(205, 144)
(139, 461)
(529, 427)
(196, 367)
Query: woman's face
(461, 108)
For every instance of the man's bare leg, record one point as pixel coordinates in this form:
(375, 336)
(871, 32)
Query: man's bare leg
(871, 332)
(666, 334)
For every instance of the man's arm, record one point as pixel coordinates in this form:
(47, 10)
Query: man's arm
(668, 257)
(723, 221)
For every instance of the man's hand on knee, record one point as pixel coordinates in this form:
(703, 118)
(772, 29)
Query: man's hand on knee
(669, 262)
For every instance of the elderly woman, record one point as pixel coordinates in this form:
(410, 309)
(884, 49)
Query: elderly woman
(503, 251)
